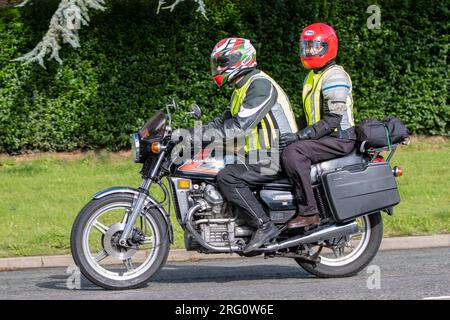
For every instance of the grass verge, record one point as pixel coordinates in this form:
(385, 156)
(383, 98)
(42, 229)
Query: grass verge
(40, 194)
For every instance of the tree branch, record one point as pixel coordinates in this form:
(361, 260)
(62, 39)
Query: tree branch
(68, 19)
(64, 25)
(201, 6)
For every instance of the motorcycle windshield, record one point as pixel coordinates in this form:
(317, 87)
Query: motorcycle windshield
(154, 128)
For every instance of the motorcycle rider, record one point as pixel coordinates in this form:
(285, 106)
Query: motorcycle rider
(258, 111)
(328, 109)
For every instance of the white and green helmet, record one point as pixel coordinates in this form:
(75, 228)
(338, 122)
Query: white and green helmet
(230, 58)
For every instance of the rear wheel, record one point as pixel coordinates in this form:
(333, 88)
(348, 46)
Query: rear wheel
(95, 249)
(348, 255)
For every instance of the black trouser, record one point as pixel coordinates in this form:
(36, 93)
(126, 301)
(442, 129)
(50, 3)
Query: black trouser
(235, 181)
(297, 159)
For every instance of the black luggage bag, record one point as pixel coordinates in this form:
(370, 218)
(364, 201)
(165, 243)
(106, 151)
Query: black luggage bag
(357, 190)
(373, 133)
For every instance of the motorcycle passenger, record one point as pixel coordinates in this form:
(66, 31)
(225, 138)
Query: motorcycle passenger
(258, 111)
(328, 109)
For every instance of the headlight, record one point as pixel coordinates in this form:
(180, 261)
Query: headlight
(135, 147)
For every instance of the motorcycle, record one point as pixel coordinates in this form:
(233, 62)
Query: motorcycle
(121, 238)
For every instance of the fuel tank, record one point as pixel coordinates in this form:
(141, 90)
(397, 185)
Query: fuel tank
(200, 169)
(202, 166)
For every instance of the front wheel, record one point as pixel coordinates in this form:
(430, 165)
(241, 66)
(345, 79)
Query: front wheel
(95, 249)
(347, 256)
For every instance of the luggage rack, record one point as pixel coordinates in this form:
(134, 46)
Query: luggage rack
(375, 152)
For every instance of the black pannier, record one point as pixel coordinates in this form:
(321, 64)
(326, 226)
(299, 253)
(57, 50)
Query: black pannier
(377, 134)
(360, 189)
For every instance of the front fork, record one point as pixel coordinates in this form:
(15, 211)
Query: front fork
(139, 203)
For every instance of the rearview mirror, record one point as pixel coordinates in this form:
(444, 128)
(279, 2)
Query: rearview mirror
(196, 112)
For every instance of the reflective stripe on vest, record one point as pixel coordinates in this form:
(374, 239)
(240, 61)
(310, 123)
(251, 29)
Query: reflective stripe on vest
(262, 134)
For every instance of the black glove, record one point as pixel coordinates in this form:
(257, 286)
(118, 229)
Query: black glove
(306, 133)
(286, 139)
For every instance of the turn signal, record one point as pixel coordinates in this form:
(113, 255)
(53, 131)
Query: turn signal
(156, 147)
(184, 184)
(397, 171)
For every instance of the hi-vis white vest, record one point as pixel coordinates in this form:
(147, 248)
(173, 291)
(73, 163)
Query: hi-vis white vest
(330, 89)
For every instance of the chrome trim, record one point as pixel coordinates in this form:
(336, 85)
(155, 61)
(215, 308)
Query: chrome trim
(330, 232)
(197, 222)
(199, 239)
(182, 198)
(108, 191)
(154, 172)
(333, 231)
(242, 231)
(136, 208)
(135, 146)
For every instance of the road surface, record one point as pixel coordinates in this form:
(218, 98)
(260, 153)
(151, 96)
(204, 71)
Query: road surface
(404, 274)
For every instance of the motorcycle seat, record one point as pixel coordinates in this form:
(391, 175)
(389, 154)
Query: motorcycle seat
(322, 167)
(281, 183)
(319, 168)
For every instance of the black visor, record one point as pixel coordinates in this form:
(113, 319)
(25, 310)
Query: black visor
(224, 62)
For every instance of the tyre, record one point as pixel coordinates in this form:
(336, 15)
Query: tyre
(347, 256)
(95, 249)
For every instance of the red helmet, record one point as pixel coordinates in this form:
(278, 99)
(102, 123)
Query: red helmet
(318, 45)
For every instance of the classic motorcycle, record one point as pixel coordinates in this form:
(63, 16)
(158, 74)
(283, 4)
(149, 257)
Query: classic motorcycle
(121, 238)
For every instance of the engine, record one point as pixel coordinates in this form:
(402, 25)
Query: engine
(217, 221)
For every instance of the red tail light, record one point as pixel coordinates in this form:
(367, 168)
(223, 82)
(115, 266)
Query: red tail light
(378, 159)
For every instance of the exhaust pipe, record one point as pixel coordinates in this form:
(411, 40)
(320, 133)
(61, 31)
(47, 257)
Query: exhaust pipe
(331, 232)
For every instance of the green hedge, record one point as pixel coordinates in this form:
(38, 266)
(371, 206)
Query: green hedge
(132, 61)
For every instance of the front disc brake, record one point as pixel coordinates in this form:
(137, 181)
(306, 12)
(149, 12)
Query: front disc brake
(111, 243)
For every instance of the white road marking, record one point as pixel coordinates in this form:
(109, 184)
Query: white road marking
(437, 298)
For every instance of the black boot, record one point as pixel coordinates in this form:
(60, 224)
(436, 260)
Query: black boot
(266, 232)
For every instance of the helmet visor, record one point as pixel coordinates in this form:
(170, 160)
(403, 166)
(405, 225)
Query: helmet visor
(219, 64)
(223, 63)
(312, 48)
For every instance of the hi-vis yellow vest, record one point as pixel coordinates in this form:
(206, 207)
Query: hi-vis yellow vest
(266, 130)
(312, 95)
